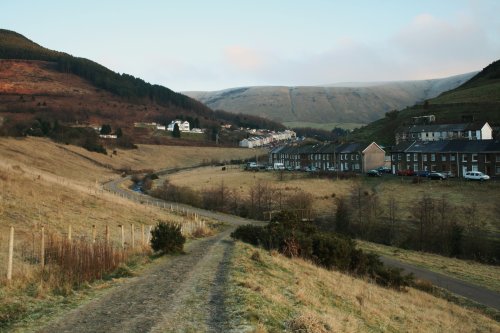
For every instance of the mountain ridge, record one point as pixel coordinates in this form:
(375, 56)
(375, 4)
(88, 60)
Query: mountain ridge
(353, 103)
(478, 99)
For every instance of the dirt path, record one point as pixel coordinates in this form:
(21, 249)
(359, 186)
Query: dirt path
(179, 293)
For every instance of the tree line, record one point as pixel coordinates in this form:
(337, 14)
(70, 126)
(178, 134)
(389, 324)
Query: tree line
(434, 225)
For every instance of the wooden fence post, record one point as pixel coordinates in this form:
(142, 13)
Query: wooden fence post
(107, 234)
(93, 233)
(132, 238)
(123, 236)
(42, 248)
(149, 233)
(69, 232)
(142, 235)
(11, 254)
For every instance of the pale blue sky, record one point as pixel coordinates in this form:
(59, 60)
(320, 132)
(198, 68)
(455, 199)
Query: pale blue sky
(217, 44)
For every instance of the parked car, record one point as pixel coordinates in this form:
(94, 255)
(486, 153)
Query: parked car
(406, 172)
(332, 169)
(422, 173)
(384, 169)
(448, 174)
(476, 175)
(437, 176)
(311, 169)
(373, 173)
(290, 168)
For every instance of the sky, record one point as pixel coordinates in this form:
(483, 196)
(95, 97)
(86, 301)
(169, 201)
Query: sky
(211, 45)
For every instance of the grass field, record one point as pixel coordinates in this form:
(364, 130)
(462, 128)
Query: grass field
(241, 181)
(407, 194)
(272, 293)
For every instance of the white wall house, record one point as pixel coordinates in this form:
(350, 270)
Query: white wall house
(183, 125)
(258, 141)
(437, 132)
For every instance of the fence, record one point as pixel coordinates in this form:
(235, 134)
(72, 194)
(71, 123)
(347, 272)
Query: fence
(78, 256)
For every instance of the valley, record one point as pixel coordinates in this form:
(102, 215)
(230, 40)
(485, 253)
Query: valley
(112, 222)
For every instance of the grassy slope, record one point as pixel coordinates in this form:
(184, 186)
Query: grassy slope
(43, 183)
(470, 271)
(274, 294)
(479, 97)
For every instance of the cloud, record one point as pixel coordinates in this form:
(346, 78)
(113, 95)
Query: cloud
(243, 59)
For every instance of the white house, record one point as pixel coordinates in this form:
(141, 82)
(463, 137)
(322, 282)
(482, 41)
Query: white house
(437, 132)
(258, 141)
(183, 125)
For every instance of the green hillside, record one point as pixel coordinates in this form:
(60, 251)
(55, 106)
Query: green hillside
(478, 99)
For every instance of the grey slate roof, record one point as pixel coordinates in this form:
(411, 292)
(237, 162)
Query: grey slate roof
(449, 146)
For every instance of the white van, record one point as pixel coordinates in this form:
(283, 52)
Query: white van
(476, 175)
(279, 166)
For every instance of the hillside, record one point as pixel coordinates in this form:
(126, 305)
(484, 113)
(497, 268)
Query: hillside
(348, 104)
(38, 83)
(477, 99)
(272, 293)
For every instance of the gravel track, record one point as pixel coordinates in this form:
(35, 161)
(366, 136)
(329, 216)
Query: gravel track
(158, 300)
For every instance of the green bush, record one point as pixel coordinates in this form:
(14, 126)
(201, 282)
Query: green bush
(167, 238)
(293, 237)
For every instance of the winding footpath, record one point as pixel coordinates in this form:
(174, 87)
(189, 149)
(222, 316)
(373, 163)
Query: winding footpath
(187, 292)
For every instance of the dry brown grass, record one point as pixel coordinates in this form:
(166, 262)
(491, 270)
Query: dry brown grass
(241, 181)
(458, 193)
(294, 295)
(46, 184)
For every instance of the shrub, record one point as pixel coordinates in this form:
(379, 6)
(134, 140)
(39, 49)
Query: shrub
(295, 238)
(167, 238)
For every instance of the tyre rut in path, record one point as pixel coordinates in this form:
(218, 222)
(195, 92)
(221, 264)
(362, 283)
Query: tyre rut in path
(163, 296)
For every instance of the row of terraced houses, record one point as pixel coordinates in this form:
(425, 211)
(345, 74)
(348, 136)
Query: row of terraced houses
(455, 155)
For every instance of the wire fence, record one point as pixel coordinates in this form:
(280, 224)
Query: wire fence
(75, 257)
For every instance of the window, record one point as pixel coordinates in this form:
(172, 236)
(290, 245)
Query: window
(356, 166)
(474, 157)
(433, 157)
(415, 157)
(464, 157)
(452, 157)
(415, 166)
(497, 158)
(498, 170)
(474, 167)
(487, 158)
(424, 157)
(443, 158)
(357, 157)
(352, 157)
(408, 157)
(399, 157)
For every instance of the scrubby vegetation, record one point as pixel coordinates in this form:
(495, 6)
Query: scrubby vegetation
(436, 225)
(295, 238)
(167, 238)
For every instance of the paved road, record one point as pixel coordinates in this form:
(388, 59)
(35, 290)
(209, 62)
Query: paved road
(473, 292)
(476, 293)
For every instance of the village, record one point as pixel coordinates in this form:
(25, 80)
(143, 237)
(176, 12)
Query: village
(450, 149)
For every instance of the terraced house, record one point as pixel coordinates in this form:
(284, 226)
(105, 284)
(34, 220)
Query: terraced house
(437, 132)
(356, 157)
(457, 156)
